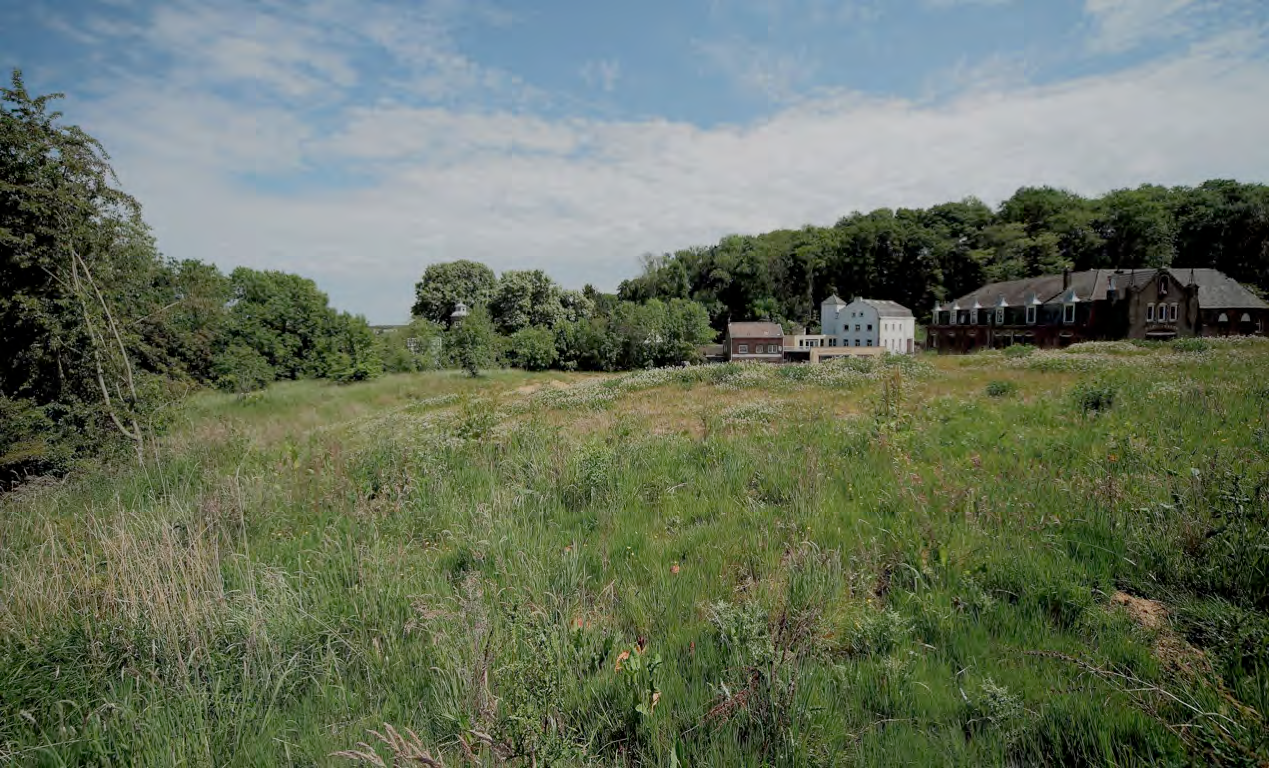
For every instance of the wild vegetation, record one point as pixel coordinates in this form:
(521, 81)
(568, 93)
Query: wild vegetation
(1035, 558)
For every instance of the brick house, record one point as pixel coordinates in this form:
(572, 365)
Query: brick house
(1099, 304)
(756, 341)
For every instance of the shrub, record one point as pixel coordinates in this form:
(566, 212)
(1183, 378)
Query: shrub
(1094, 397)
(1019, 350)
(1000, 388)
(1192, 344)
(532, 349)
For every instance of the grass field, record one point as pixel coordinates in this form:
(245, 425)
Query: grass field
(1057, 558)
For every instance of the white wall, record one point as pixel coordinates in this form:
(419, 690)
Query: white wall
(861, 316)
(830, 318)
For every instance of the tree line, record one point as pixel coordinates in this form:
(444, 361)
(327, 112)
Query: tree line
(918, 256)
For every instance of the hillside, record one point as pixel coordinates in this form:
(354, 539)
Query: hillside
(1055, 557)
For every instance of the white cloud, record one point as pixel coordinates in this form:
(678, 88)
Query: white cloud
(602, 74)
(582, 198)
(1120, 25)
(765, 71)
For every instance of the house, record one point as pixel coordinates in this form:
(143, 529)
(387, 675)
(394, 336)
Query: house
(756, 341)
(868, 323)
(1098, 304)
(798, 345)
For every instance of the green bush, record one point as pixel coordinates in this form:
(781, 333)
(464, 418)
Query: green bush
(1191, 344)
(1094, 397)
(1000, 388)
(1019, 350)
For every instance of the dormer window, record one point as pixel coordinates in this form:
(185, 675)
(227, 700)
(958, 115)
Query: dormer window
(1163, 285)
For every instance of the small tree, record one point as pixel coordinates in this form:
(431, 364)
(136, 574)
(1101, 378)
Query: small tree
(471, 343)
(532, 349)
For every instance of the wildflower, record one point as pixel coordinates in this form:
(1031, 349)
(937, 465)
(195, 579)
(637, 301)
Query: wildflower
(656, 696)
(674, 568)
(622, 657)
(1113, 458)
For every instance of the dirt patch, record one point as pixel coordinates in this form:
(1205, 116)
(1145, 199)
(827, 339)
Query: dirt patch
(1150, 614)
(1169, 647)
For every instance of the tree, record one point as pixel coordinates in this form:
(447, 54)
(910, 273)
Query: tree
(532, 349)
(77, 263)
(447, 284)
(471, 343)
(411, 348)
(525, 298)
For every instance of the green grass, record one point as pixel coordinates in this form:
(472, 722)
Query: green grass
(862, 563)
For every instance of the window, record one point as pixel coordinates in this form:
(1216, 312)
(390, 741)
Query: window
(952, 316)
(1068, 313)
(856, 326)
(1000, 316)
(870, 326)
(870, 342)
(1172, 312)
(1031, 315)
(1149, 313)
(973, 317)
(857, 342)
(744, 349)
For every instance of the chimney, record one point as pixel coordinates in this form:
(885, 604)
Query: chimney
(1066, 279)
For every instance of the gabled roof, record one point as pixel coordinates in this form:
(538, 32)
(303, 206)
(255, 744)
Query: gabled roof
(755, 330)
(1216, 289)
(886, 308)
(834, 299)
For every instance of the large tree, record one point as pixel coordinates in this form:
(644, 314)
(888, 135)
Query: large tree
(447, 284)
(77, 263)
(525, 298)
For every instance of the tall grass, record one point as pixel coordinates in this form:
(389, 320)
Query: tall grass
(865, 563)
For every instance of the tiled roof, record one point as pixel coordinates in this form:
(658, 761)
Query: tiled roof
(1216, 289)
(888, 308)
(755, 330)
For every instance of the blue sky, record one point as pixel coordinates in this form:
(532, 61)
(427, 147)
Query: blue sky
(356, 141)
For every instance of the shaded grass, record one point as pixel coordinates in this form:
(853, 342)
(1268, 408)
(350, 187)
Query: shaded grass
(852, 569)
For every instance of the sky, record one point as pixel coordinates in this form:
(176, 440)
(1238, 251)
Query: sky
(357, 141)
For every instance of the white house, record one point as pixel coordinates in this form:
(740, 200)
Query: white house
(868, 323)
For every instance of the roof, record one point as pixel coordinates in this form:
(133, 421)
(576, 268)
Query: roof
(834, 299)
(1216, 289)
(755, 330)
(887, 308)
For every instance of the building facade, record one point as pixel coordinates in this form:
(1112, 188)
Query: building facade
(868, 323)
(1095, 305)
(755, 341)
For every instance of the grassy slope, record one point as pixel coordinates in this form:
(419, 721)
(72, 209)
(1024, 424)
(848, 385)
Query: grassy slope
(823, 566)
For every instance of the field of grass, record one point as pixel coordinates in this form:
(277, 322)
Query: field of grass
(1058, 558)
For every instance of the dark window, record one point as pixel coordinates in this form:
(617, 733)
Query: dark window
(1031, 315)
(1068, 313)
(1149, 313)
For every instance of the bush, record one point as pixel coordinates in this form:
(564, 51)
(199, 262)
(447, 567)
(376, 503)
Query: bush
(1094, 397)
(1000, 388)
(532, 349)
(242, 369)
(1019, 350)
(1192, 344)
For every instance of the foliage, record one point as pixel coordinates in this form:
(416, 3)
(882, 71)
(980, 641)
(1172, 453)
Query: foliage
(443, 286)
(525, 299)
(532, 348)
(472, 343)
(411, 348)
(1094, 397)
(915, 256)
(1001, 388)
